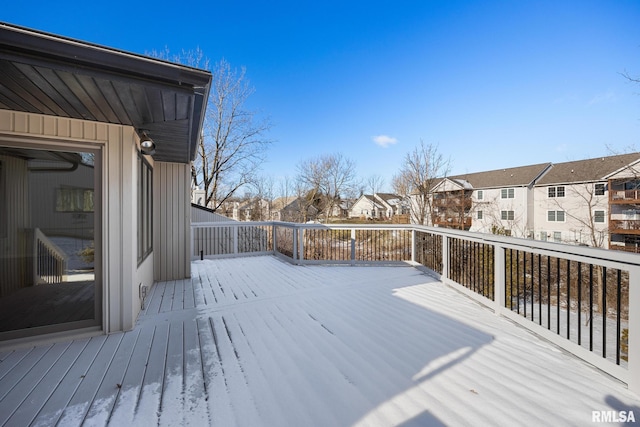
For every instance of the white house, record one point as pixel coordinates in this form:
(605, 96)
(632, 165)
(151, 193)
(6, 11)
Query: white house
(376, 206)
(95, 147)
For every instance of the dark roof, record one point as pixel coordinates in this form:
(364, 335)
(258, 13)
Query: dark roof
(387, 196)
(587, 170)
(511, 177)
(48, 74)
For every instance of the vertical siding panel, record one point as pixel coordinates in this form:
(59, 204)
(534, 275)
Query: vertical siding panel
(113, 225)
(20, 123)
(64, 128)
(89, 131)
(36, 124)
(49, 126)
(101, 132)
(6, 120)
(76, 128)
(171, 221)
(13, 265)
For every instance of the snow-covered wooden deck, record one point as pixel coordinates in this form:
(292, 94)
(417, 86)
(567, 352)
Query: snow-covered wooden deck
(258, 342)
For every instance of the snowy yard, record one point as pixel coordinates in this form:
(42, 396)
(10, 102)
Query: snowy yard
(259, 342)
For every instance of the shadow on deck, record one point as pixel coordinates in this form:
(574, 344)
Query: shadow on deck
(255, 341)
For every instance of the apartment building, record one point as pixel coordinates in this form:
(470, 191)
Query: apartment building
(498, 201)
(593, 202)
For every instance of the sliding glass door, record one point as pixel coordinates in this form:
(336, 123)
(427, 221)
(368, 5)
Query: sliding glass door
(49, 240)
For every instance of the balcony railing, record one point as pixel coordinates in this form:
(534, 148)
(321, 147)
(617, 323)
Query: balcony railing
(49, 261)
(582, 299)
(624, 226)
(623, 196)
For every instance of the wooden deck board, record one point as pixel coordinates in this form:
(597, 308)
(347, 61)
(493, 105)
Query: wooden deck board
(259, 342)
(36, 400)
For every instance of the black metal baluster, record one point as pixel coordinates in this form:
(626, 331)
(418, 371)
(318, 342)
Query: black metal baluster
(568, 299)
(579, 303)
(618, 308)
(539, 289)
(604, 312)
(590, 307)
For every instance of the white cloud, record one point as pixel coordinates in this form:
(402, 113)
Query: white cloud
(385, 140)
(602, 98)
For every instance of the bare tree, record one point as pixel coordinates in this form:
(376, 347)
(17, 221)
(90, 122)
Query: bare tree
(327, 178)
(265, 194)
(421, 170)
(374, 184)
(233, 143)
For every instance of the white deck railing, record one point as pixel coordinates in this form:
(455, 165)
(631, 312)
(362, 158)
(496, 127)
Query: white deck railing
(49, 261)
(582, 299)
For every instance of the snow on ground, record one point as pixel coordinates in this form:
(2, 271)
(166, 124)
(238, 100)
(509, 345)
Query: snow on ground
(258, 342)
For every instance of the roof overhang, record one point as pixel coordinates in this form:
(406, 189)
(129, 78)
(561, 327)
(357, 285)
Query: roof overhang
(52, 75)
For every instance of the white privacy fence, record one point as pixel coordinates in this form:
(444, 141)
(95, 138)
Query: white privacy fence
(582, 299)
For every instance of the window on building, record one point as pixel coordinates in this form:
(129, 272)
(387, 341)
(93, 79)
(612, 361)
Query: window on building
(543, 236)
(555, 216)
(507, 215)
(507, 193)
(557, 236)
(598, 216)
(480, 194)
(71, 199)
(145, 208)
(599, 189)
(556, 191)
(479, 214)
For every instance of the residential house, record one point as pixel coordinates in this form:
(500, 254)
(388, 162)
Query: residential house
(293, 209)
(394, 203)
(367, 206)
(377, 206)
(253, 209)
(574, 202)
(95, 148)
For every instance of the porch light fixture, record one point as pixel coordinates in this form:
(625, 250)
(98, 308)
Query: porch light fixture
(147, 146)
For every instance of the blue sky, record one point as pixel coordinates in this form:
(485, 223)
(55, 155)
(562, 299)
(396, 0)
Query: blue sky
(493, 84)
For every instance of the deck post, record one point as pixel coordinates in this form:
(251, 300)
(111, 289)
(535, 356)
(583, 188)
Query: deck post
(301, 245)
(236, 231)
(353, 246)
(294, 236)
(274, 238)
(445, 257)
(633, 349)
(413, 245)
(499, 280)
